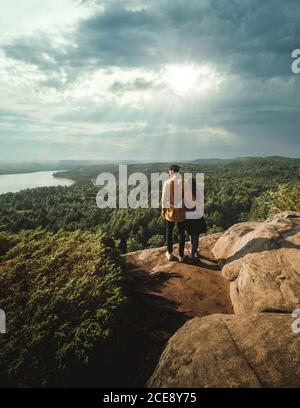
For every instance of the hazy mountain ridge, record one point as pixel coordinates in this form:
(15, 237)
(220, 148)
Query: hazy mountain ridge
(48, 165)
(285, 168)
(34, 166)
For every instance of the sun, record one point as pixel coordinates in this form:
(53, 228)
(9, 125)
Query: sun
(191, 80)
(182, 78)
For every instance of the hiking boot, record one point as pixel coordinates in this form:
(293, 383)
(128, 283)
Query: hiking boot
(181, 259)
(170, 257)
(197, 255)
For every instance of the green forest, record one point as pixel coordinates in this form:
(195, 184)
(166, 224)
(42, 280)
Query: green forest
(234, 192)
(66, 307)
(71, 315)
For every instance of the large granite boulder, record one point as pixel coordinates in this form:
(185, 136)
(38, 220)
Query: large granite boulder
(231, 351)
(262, 261)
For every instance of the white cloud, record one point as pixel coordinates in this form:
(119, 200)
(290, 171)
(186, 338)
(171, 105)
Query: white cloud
(148, 74)
(24, 17)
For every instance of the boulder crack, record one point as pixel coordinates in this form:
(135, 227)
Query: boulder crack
(240, 353)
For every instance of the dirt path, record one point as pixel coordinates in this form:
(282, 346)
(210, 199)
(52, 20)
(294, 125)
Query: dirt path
(166, 294)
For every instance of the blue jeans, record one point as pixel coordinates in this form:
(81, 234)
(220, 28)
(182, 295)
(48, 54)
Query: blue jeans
(195, 243)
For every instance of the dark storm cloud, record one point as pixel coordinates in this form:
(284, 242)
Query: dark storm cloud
(248, 37)
(248, 41)
(33, 51)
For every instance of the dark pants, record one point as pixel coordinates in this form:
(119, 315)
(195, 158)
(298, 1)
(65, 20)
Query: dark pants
(181, 236)
(194, 242)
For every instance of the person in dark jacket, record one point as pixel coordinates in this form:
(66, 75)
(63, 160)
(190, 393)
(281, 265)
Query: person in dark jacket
(194, 226)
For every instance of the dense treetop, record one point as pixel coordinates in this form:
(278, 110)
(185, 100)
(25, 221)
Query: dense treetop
(231, 189)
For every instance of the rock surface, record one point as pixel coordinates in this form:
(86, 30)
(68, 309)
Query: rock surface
(193, 289)
(166, 295)
(262, 261)
(231, 351)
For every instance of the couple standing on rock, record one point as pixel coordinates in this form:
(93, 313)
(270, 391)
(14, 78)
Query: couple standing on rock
(175, 213)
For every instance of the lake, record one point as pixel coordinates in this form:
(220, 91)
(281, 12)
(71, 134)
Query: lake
(11, 183)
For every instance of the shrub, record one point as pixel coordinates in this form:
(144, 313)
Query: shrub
(7, 241)
(133, 245)
(156, 241)
(286, 197)
(65, 308)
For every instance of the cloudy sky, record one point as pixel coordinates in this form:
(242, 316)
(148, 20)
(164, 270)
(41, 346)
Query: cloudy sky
(148, 80)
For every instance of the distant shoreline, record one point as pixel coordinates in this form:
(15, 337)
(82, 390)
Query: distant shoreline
(58, 172)
(54, 174)
(16, 182)
(67, 179)
(14, 172)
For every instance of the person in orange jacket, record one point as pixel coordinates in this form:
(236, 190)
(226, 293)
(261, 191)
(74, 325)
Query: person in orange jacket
(173, 211)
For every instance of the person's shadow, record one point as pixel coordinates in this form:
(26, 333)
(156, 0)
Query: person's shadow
(201, 264)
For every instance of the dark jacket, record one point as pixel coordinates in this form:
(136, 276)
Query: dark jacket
(197, 226)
